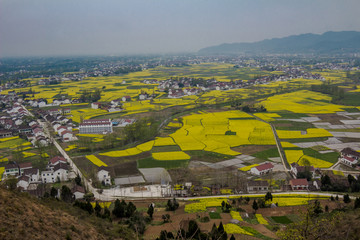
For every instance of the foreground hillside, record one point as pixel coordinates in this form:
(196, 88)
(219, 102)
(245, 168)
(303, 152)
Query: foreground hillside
(24, 217)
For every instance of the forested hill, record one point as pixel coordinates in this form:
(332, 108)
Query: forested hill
(327, 43)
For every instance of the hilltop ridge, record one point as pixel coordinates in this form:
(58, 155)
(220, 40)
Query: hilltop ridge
(326, 43)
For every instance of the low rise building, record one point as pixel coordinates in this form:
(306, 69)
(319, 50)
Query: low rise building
(99, 126)
(262, 169)
(103, 175)
(349, 156)
(257, 186)
(299, 184)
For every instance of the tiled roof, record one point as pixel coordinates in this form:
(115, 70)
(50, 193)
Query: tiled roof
(264, 166)
(299, 182)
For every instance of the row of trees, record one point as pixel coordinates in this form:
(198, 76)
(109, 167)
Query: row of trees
(352, 185)
(90, 96)
(190, 230)
(337, 93)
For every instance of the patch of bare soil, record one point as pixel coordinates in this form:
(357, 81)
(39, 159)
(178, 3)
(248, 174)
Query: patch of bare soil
(251, 149)
(331, 118)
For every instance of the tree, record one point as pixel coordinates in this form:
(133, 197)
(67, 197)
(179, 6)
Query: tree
(78, 180)
(130, 209)
(119, 208)
(317, 209)
(351, 179)
(97, 209)
(193, 230)
(347, 198)
(268, 196)
(150, 211)
(66, 194)
(214, 233)
(255, 205)
(222, 233)
(314, 228)
(222, 205)
(88, 207)
(357, 203)
(172, 205)
(106, 213)
(137, 223)
(53, 192)
(11, 182)
(232, 237)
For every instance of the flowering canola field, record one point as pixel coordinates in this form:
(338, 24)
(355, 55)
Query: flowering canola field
(215, 132)
(303, 101)
(310, 133)
(178, 155)
(261, 219)
(96, 161)
(2, 170)
(231, 228)
(299, 157)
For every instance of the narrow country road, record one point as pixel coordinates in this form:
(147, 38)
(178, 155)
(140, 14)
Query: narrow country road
(278, 143)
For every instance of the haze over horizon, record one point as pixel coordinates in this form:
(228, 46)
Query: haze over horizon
(113, 27)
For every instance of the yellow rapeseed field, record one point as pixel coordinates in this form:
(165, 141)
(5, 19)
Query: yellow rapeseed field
(303, 101)
(2, 170)
(310, 133)
(170, 156)
(96, 161)
(247, 168)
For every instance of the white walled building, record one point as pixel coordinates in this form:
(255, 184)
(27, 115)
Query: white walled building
(99, 126)
(103, 175)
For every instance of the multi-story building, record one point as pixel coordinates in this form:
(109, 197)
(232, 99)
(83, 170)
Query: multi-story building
(100, 126)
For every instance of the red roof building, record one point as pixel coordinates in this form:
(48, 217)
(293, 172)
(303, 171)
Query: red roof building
(299, 184)
(262, 169)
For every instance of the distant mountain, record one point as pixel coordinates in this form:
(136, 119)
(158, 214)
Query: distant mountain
(329, 42)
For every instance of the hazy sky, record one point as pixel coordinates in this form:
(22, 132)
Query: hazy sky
(88, 27)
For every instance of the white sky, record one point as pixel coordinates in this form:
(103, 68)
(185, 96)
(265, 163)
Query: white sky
(90, 27)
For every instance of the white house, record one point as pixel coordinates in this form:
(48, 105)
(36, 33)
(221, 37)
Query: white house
(257, 186)
(349, 156)
(23, 182)
(33, 174)
(67, 136)
(100, 126)
(126, 99)
(95, 105)
(61, 129)
(262, 169)
(78, 192)
(61, 171)
(56, 160)
(47, 176)
(11, 170)
(143, 96)
(41, 104)
(104, 175)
